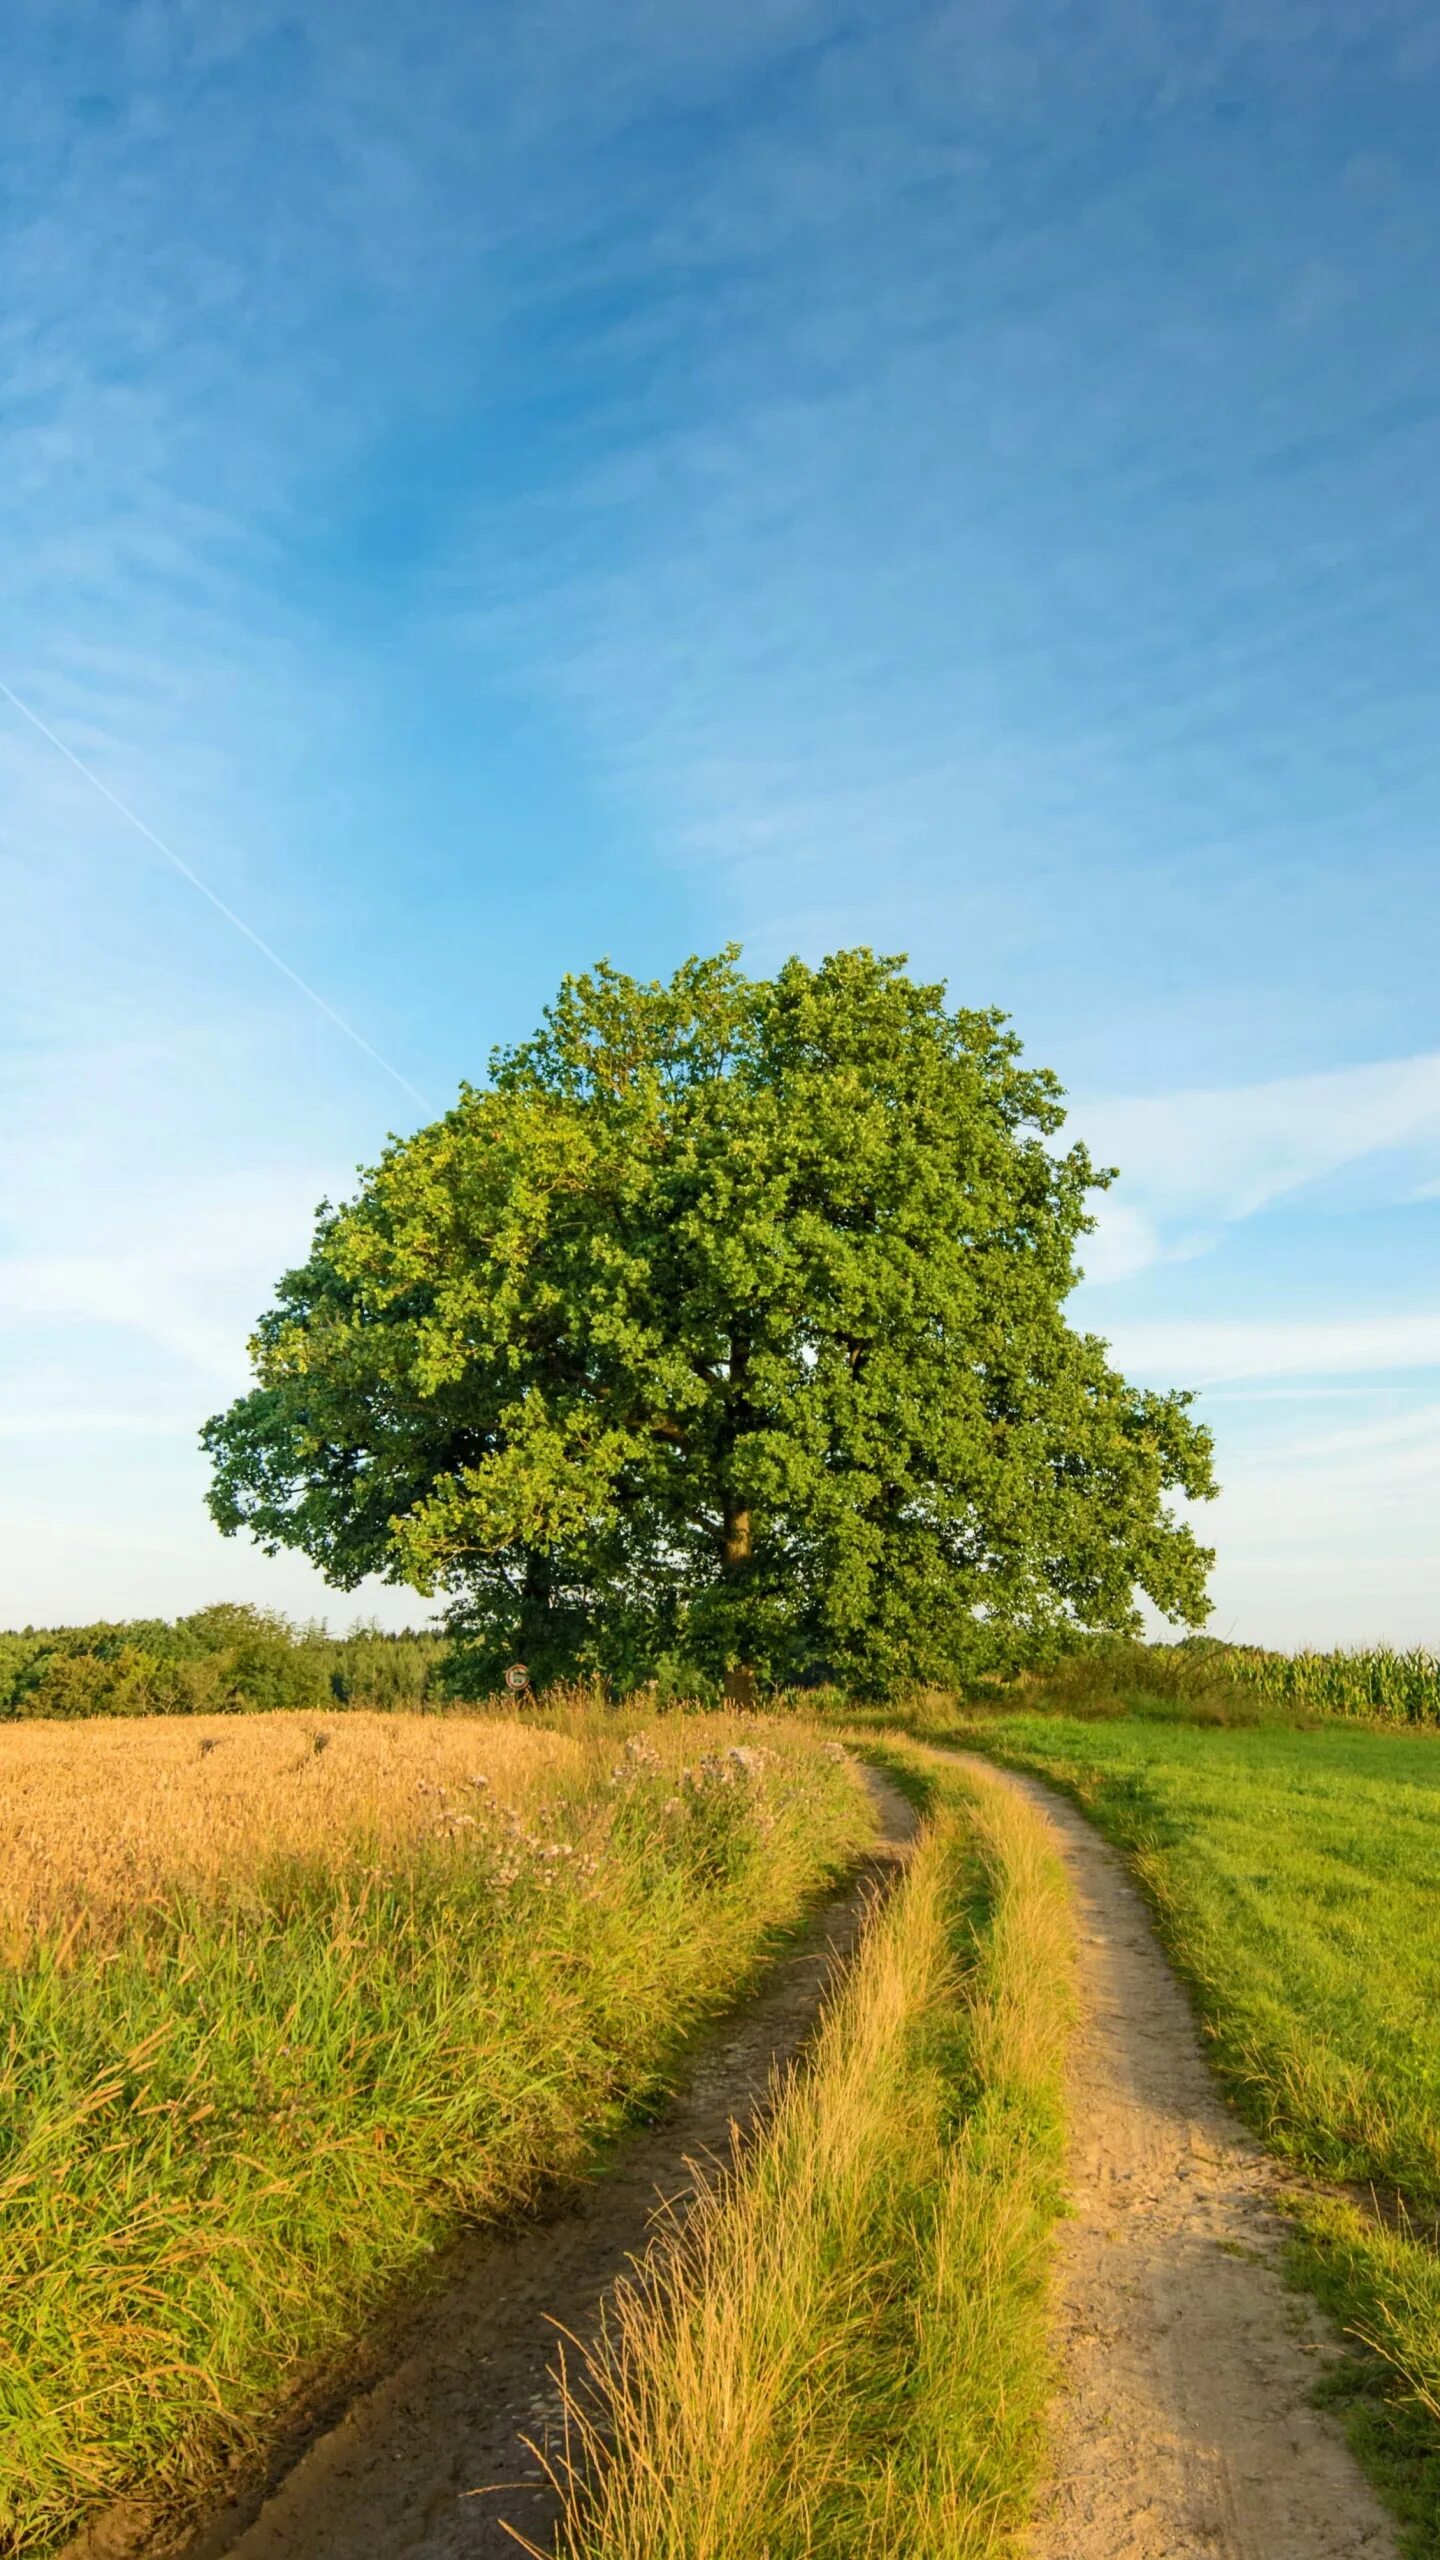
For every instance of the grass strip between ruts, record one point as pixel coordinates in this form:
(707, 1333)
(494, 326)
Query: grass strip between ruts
(844, 2350)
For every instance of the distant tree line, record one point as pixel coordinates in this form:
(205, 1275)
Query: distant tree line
(230, 1659)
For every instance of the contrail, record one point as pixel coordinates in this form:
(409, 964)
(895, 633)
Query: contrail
(183, 867)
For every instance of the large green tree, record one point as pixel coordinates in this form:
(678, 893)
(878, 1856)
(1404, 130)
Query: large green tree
(728, 1317)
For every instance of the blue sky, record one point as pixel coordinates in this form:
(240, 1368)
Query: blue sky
(529, 483)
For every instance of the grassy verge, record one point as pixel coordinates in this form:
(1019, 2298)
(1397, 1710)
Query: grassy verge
(1293, 1874)
(285, 2003)
(844, 2352)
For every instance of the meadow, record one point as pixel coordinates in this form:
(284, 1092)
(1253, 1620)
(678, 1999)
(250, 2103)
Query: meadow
(843, 2353)
(1293, 1873)
(289, 1996)
(286, 1999)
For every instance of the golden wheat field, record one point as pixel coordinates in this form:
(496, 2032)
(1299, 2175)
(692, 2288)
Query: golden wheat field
(287, 1998)
(97, 1818)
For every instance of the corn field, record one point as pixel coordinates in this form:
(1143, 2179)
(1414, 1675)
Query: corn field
(1374, 1684)
(1377, 1682)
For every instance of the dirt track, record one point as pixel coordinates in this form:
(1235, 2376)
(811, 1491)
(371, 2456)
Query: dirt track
(1183, 2429)
(414, 2469)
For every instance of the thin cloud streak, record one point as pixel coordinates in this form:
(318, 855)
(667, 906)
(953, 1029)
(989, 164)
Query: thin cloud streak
(312, 994)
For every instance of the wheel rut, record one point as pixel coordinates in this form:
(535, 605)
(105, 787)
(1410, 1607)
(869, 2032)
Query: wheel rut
(433, 2461)
(1184, 2427)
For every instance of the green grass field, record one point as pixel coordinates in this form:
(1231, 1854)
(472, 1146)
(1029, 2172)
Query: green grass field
(1296, 1878)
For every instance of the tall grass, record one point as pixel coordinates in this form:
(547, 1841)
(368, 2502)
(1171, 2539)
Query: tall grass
(843, 2351)
(308, 2009)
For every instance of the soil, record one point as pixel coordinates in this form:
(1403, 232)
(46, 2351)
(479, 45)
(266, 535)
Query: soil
(433, 2461)
(1184, 2427)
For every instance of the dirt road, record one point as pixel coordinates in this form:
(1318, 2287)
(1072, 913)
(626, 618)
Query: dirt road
(1183, 2429)
(425, 2465)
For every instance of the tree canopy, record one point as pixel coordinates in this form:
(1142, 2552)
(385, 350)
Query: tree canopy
(725, 1321)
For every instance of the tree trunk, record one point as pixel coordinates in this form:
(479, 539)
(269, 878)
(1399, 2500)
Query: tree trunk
(535, 1613)
(740, 1689)
(735, 1550)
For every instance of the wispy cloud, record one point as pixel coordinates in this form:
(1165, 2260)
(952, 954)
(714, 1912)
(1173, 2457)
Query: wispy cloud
(932, 595)
(901, 461)
(1194, 1163)
(1396, 1440)
(1175, 1349)
(1331, 1538)
(62, 1423)
(186, 1269)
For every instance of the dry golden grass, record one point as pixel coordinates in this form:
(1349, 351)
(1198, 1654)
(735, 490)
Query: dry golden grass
(842, 2350)
(329, 2013)
(97, 1818)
